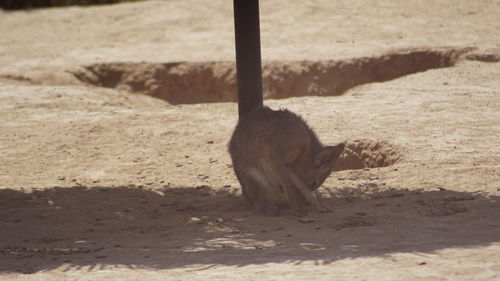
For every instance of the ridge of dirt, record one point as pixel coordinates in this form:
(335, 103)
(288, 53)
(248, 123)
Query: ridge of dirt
(201, 82)
(365, 153)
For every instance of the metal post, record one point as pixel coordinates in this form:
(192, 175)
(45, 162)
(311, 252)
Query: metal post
(248, 61)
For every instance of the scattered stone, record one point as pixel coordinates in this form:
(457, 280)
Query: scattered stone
(395, 195)
(194, 220)
(61, 178)
(77, 182)
(305, 220)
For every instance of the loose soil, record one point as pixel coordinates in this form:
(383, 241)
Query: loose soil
(114, 122)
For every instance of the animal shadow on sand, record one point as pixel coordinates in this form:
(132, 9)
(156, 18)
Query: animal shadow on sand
(89, 228)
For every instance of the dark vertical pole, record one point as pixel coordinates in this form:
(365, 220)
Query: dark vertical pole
(248, 61)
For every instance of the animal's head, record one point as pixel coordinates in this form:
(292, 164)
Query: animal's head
(321, 165)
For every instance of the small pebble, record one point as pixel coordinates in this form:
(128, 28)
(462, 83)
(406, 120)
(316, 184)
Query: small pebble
(304, 220)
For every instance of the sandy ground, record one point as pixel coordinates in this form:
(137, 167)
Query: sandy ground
(104, 183)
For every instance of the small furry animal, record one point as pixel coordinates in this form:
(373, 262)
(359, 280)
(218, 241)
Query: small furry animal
(279, 161)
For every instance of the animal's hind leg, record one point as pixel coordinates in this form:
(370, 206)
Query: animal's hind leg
(244, 187)
(255, 185)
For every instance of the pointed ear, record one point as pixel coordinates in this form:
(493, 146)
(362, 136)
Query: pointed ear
(329, 154)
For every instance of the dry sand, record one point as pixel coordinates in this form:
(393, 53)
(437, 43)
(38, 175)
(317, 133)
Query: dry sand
(107, 183)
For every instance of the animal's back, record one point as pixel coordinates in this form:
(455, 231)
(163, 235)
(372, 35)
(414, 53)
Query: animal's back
(264, 129)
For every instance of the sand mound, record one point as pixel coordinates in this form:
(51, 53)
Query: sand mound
(360, 154)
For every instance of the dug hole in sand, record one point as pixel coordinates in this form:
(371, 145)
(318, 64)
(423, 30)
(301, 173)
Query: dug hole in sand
(113, 158)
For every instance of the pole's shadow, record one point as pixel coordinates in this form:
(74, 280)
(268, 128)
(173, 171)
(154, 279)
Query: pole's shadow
(80, 227)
